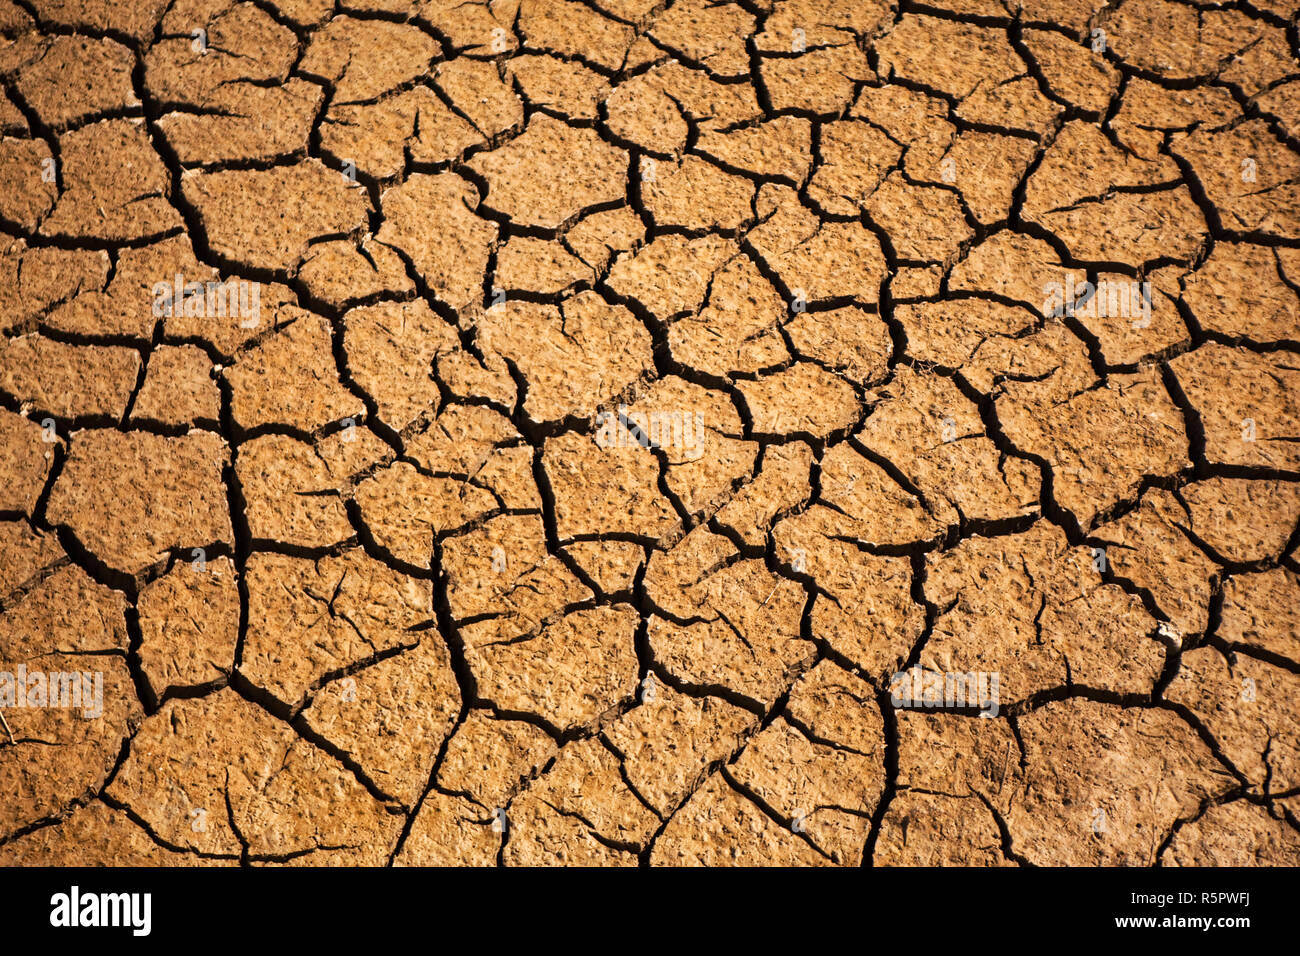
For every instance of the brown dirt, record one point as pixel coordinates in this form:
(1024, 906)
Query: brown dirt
(639, 392)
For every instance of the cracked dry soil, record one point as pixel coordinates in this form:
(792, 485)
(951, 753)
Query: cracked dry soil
(632, 390)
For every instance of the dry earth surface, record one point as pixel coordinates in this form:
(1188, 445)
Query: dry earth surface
(613, 396)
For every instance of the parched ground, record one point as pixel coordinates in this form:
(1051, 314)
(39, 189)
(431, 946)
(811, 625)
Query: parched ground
(634, 389)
